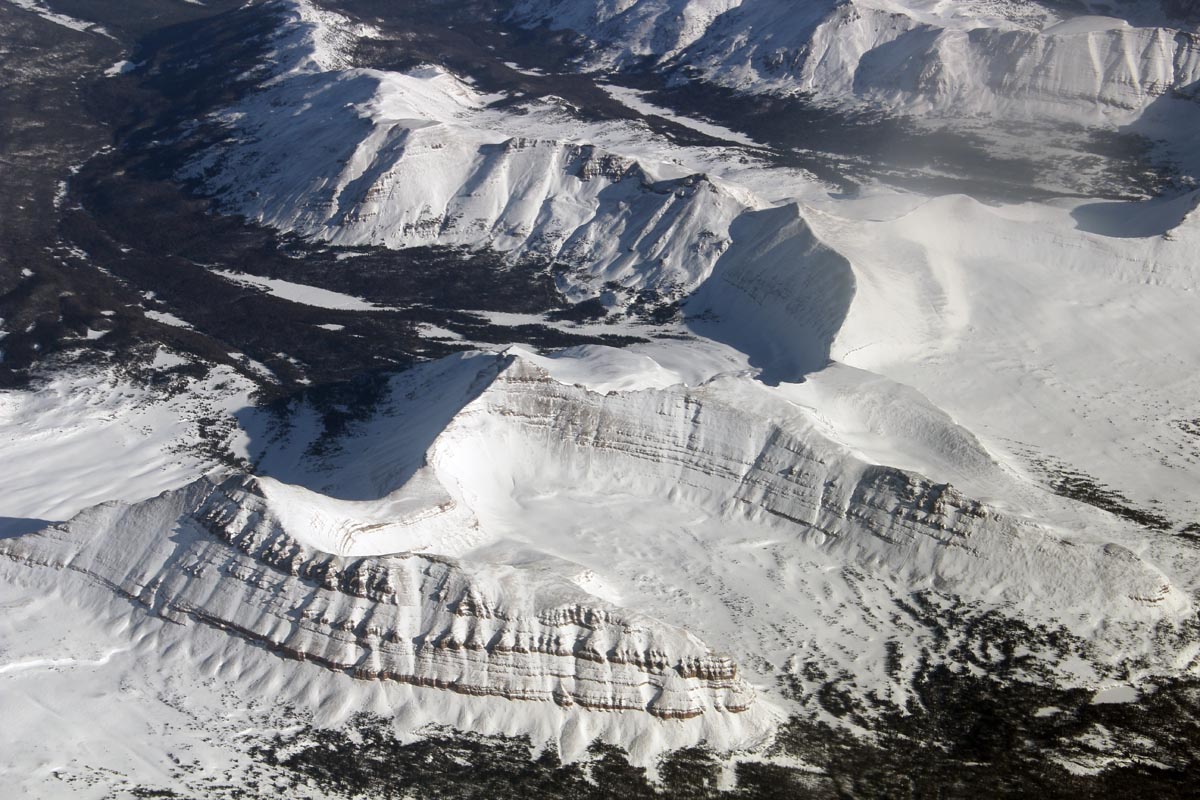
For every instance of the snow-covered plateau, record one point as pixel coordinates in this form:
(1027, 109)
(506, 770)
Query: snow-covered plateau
(863, 435)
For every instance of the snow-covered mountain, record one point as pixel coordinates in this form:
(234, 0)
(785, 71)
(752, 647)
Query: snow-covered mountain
(1014, 60)
(402, 160)
(408, 618)
(363, 157)
(860, 443)
(472, 567)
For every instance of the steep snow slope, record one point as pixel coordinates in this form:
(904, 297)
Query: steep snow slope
(405, 159)
(732, 450)
(778, 294)
(955, 59)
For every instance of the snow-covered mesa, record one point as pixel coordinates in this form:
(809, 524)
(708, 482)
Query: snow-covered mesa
(496, 544)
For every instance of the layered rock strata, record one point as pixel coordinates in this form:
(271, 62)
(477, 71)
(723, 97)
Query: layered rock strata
(214, 554)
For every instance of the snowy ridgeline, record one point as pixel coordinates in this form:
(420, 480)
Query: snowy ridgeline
(356, 157)
(1009, 59)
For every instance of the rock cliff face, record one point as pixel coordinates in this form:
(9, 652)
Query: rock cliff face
(214, 554)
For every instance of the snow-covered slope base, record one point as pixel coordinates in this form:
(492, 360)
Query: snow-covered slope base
(86, 436)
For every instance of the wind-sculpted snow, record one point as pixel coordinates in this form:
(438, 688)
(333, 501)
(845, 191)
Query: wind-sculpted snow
(1013, 60)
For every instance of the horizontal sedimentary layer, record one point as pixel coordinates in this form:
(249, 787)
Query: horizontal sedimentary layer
(201, 555)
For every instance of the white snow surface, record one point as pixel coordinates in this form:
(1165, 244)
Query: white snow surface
(83, 438)
(1033, 333)
(120, 68)
(301, 293)
(633, 99)
(1021, 323)
(604, 369)
(63, 20)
